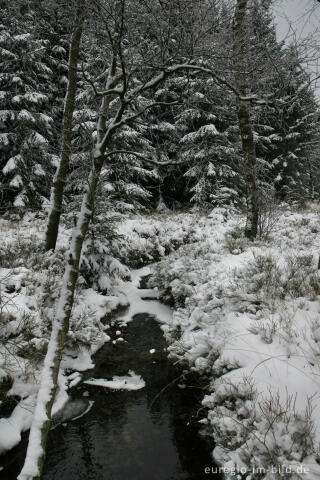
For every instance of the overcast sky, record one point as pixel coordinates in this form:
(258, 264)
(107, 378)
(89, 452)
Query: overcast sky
(300, 20)
(303, 15)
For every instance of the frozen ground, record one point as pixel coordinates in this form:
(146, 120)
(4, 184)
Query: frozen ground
(245, 315)
(29, 286)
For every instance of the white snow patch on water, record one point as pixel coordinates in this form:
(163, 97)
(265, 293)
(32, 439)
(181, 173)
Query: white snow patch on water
(127, 382)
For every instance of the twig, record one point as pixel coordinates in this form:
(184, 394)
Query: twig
(165, 388)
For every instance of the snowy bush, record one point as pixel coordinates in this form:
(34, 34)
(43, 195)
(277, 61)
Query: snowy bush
(269, 211)
(245, 315)
(30, 281)
(236, 241)
(23, 251)
(271, 277)
(100, 270)
(256, 433)
(145, 240)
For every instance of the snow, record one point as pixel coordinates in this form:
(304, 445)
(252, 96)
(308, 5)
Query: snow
(20, 200)
(248, 314)
(11, 164)
(16, 182)
(26, 116)
(136, 302)
(19, 421)
(206, 131)
(22, 37)
(5, 138)
(21, 418)
(38, 139)
(127, 382)
(6, 115)
(74, 379)
(39, 171)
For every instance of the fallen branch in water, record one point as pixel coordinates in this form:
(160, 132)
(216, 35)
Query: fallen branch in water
(166, 387)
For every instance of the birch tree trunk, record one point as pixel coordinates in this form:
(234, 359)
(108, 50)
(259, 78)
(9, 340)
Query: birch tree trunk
(35, 456)
(42, 416)
(62, 170)
(247, 139)
(105, 129)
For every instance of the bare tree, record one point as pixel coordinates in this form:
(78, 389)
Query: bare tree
(119, 106)
(125, 97)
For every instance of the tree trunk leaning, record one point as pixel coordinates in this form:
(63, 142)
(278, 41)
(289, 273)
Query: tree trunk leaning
(41, 422)
(35, 456)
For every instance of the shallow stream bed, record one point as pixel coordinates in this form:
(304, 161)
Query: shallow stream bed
(134, 435)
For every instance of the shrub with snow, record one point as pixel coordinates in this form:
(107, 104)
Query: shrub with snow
(246, 316)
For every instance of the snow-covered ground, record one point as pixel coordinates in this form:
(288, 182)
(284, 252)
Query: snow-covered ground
(29, 287)
(245, 315)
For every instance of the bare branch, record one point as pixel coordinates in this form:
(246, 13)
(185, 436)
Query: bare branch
(118, 122)
(152, 161)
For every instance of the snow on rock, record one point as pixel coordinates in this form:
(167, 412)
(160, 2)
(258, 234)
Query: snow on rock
(21, 417)
(81, 361)
(127, 382)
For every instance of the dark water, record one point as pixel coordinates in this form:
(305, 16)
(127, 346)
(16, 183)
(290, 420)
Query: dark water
(125, 435)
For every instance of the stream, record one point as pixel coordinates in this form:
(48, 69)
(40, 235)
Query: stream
(136, 435)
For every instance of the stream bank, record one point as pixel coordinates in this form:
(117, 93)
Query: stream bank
(126, 434)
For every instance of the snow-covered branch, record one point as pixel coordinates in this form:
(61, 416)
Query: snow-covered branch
(145, 159)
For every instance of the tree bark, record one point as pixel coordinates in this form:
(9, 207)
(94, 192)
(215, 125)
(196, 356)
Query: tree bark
(62, 170)
(42, 416)
(35, 456)
(245, 127)
(105, 129)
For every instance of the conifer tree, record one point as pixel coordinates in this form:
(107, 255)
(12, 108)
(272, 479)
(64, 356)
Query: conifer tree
(285, 126)
(26, 125)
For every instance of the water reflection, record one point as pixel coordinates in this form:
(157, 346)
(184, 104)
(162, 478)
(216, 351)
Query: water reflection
(121, 437)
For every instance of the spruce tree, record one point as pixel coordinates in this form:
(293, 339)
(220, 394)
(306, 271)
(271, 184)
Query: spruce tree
(286, 127)
(26, 123)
